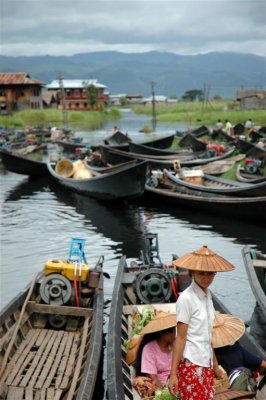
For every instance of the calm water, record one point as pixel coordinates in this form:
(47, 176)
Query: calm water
(38, 221)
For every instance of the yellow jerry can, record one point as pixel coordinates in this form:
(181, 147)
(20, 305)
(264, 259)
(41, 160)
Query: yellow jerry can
(66, 269)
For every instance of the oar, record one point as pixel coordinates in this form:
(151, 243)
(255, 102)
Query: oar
(17, 325)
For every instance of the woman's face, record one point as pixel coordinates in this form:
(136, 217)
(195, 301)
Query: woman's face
(169, 335)
(204, 279)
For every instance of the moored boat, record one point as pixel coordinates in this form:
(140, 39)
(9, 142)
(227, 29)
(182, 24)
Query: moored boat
(211, 184)
(133, 293)
(255, 264)
(125, 182)
(23, 165)
(51, 332)
(251, 208)
(243, 176)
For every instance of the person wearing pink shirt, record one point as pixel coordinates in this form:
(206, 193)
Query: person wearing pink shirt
(154, 355)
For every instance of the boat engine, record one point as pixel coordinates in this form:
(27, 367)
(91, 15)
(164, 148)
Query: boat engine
(157, 283)
(63, 280)
(214, 150)
(252, 166)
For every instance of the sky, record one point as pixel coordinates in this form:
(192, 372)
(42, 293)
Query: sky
(67, 27)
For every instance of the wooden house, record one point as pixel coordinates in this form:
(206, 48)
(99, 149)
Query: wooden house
(251, 99)
(18, 91)
(73, 93)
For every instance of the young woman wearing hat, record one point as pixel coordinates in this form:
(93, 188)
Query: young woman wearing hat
(193, 361)
(227, 330)
(154, 354)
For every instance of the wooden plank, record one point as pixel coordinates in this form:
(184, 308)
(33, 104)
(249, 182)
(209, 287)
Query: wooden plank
(29, 393)
(78, 362)
(259, 263)
(15, 393)
(70, 363)
(62, 310)
(20, 355)
(57, 395)
(63, 363)
(52, 365)
(36, 365)
(43, 394)
(50, 394)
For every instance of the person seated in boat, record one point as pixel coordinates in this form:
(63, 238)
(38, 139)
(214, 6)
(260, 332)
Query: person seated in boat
(154, 355)
(218, 126)
(228, 128)
(230, 354)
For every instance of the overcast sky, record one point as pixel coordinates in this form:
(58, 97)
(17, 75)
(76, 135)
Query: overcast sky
(66, 27)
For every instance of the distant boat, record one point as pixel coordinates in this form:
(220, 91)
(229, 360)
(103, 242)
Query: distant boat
(211, 184)
(23, 165)
(251, 208)
(121, 183)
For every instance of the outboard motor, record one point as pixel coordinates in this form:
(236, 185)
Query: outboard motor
(252, 166)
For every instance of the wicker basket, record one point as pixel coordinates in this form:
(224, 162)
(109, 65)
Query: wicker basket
(64, 168)
(82, 174)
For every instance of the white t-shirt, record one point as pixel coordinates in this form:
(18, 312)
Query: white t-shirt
(195, 308)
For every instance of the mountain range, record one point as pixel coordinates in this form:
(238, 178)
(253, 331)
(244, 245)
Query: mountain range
(123, 73)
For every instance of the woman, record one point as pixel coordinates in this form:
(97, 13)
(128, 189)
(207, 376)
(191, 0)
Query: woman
(193, 360)
(154, 354)
(235, 359)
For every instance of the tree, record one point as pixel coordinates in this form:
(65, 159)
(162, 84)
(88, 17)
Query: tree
(92, 93)
(192, 95)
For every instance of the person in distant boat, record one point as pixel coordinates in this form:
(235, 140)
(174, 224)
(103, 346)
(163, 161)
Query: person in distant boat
(234, 358)
(154, 354)
(115, 129)
(219, 125)
(194, 363)
(228, 128)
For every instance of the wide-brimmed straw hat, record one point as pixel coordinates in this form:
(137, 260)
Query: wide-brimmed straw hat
(227, 329)
(203, 259)
(160, 322)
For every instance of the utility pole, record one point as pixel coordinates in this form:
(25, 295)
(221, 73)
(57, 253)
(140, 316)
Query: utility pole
(153, 106)
(63, 99)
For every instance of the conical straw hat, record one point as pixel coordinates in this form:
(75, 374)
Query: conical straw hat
(227, 329)
(204, 259)
(160, 322)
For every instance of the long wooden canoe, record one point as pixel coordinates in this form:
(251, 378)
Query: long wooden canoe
(50, 351)
(23, 165)
(124, 302)
(255, 263)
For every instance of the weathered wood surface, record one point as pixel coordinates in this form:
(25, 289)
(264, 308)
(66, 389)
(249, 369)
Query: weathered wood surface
(44, 364)
(61, 310)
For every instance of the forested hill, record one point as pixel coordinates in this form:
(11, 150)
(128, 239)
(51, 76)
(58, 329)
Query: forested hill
(223, 73)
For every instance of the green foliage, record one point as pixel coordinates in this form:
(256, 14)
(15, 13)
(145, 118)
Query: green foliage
(192, 95)
(49, 117)
(92, 93)
(164, 394)
(139, 320)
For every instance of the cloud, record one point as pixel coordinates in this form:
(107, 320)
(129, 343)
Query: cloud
(64, 27)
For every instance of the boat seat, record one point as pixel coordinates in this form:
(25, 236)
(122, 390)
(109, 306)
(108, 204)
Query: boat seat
(259, 263)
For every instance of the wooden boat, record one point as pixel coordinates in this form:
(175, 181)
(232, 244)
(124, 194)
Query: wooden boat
(130, 294)
(23, 165)
(122, 183)
(50, 345)
(243, 176)
(249, 148)
(197, 144)
(160, 143)
(114, 156)
(69, 146)
(211, 184)
(255, 263)
(221, 166)
(252, 208)
(117, 139)
(143, 149)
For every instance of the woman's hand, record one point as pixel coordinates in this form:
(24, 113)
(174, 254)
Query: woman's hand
(218, 372)
(173, 385)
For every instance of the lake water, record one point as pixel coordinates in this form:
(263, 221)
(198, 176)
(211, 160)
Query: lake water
(38, 220)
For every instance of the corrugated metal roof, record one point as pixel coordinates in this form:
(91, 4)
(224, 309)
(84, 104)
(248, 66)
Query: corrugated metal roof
(75, 84)
(260, 93)
(18, 78)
